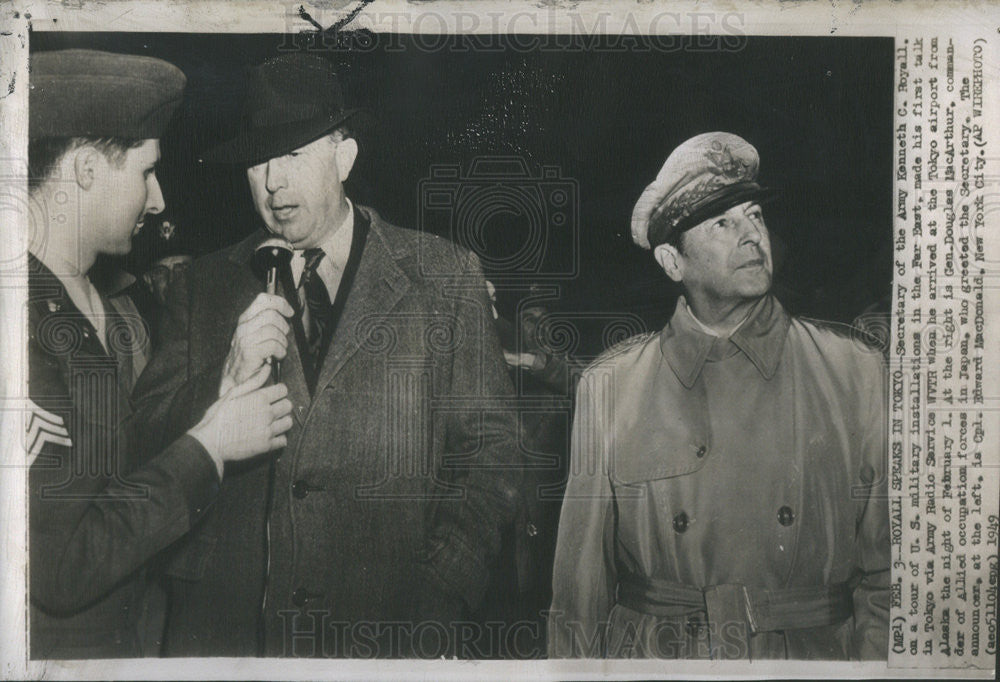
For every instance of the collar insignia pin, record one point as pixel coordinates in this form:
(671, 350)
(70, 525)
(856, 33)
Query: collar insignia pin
(167, 230)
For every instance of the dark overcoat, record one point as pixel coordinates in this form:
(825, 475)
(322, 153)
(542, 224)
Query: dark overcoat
(384, 509)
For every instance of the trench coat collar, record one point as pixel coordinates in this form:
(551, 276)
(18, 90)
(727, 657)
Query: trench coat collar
(686, 346)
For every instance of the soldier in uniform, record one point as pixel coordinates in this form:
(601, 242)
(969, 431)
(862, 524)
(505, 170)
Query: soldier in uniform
(96, 514)
(727, 491)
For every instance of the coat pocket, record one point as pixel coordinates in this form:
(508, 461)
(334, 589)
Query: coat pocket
(659, 455)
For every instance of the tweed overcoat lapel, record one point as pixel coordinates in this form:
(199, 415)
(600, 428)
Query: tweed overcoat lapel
(378, 286)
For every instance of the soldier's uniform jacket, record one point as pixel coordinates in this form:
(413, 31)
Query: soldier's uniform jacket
(94, 517)
(727, 497)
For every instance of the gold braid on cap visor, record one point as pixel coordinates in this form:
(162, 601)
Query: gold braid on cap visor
(680, 212)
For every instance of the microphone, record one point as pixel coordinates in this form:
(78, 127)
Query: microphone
(271, 254)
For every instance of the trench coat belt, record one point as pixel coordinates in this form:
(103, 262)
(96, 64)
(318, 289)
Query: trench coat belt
(762, 610)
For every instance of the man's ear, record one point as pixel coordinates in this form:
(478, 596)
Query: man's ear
(346, 153)
(670, 260)
(86, 165)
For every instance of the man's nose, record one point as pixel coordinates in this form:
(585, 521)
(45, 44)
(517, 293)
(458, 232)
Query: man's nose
(274, 176)
(154, 197)
(751, 231)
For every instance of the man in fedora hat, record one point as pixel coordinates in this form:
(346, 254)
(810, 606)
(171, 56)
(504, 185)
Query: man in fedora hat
(727, 494)
(374, 531)
(101, 504)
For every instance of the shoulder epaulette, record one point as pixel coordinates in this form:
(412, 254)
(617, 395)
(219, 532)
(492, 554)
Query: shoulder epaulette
(870, 332)
(621, 347)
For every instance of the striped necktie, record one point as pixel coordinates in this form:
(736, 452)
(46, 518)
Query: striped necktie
(317, 300)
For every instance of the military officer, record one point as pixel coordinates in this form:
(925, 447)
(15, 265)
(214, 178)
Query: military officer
(727, 494)
(96, 515)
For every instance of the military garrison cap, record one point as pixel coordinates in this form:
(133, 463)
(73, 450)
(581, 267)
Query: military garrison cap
(87, 93)
(702, 178)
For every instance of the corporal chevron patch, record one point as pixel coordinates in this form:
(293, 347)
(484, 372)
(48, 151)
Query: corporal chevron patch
(43, 427)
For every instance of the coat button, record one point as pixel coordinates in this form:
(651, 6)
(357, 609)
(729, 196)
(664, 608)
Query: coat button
(300, 489)
(701, 452)
(695, 626)
(302, 596)
(786, 516)
(681, 522)
(532, 530)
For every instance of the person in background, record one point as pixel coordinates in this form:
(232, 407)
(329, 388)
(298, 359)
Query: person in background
(727, 494)
(521, 588)
(173, 258)
(166, 251)
(100, 505)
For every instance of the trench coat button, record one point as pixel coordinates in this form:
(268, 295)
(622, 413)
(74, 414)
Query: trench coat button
(681, 522)
(701, 452)
(786, 516)
(300, 597)
(695, 626)
(532, 530)
(300, 489)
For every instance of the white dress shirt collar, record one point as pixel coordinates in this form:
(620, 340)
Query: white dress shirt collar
(336, 248)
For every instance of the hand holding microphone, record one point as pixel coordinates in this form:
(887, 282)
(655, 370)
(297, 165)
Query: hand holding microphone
(262, 330)
(247, 420)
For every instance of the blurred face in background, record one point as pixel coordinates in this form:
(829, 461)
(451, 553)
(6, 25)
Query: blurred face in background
(163, 273)
(531, 321)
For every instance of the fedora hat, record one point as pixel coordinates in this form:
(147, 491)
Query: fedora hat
(291, 101)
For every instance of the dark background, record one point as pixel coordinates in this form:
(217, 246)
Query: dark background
(602, 115)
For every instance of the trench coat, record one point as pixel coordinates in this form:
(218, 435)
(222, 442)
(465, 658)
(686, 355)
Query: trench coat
(727, 497)
(95, 516)
(383, 512)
